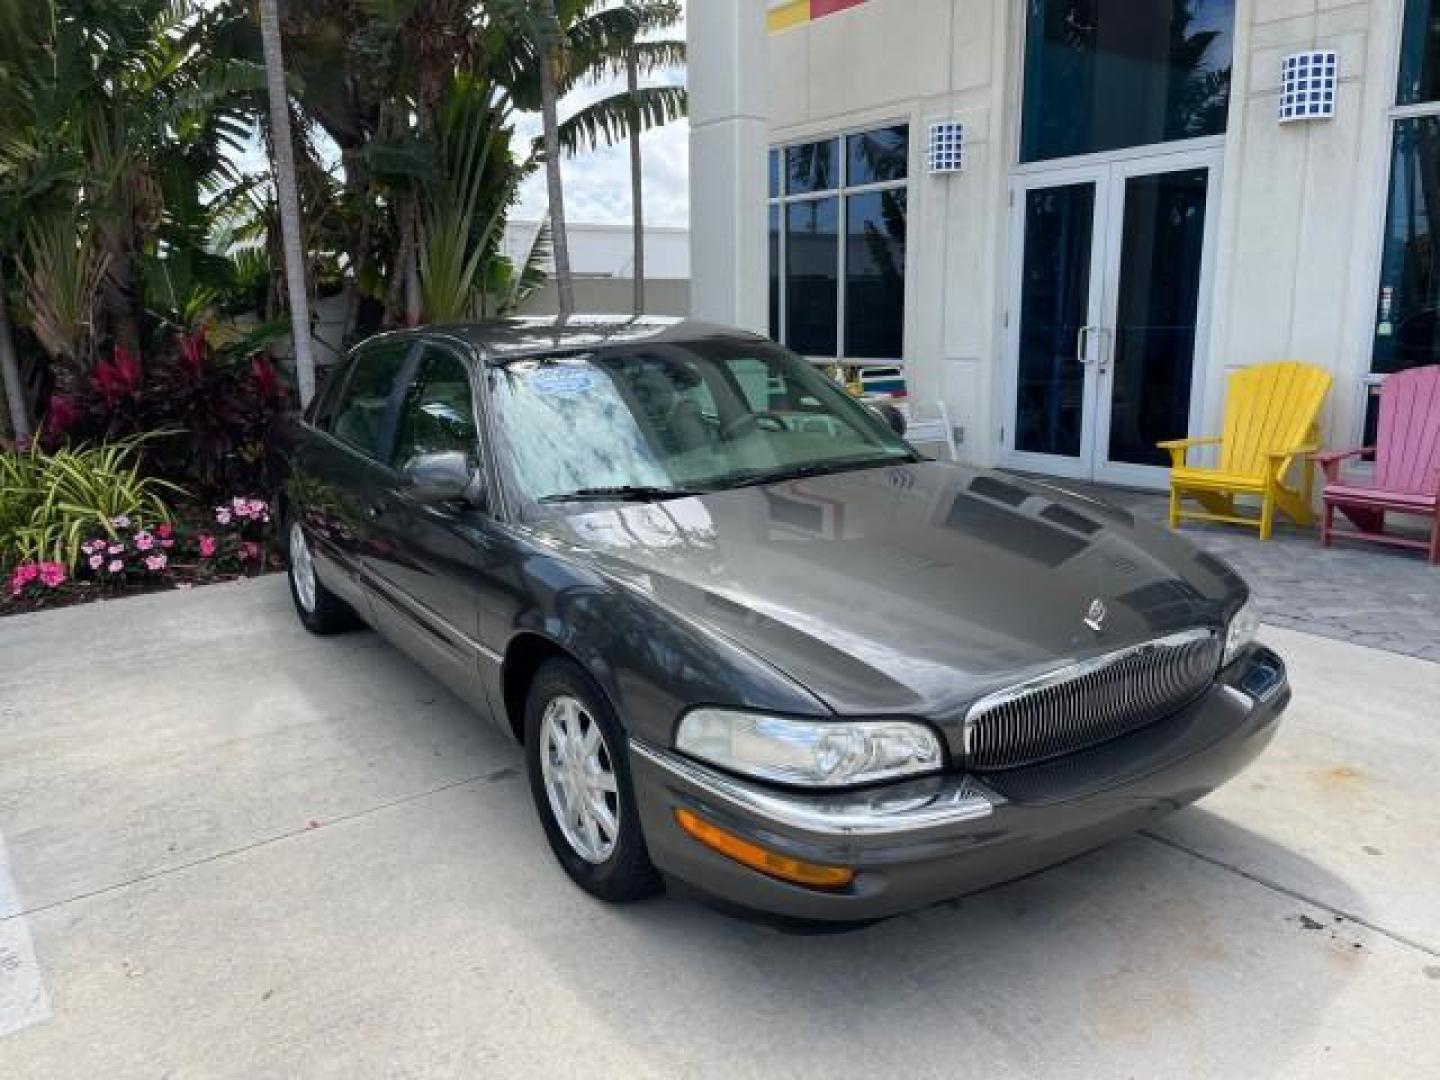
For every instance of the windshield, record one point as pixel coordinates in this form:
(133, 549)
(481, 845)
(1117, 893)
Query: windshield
(677, 418)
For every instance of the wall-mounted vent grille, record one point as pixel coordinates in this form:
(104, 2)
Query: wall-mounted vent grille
(1307, 86)
(945, 152)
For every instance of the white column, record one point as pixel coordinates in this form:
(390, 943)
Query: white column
(729, 131)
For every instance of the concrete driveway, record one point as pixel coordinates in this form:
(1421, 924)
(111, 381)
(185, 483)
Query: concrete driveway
(230, 849)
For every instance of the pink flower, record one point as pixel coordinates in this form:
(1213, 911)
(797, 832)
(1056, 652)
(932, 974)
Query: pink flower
(165, 530)
(156, 562)
(52, 574)
(90, 547)
(97, 561)
(144, 541)
(208, 545)
(120, 521)
(222, 515)
(249, 551)
(115, 566)
(116, 549)
(24, 574)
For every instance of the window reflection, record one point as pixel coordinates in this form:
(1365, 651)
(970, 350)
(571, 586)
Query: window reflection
(1420, 53)
(876, 156)
(775, 271)
(1106, 74)
(811, 167)
(875, 275)
(1054, 306)
(812, 248)
(1407, 332)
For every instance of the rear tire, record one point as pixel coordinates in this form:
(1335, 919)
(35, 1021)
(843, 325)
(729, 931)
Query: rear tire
(321, 611)
(577, 758)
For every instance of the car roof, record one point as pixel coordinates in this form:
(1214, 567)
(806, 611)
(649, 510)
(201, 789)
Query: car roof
(504, 340)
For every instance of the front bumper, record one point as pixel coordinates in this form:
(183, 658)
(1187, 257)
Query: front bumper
(920, 842)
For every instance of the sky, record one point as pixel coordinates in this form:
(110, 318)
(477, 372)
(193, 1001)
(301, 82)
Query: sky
(597, 183)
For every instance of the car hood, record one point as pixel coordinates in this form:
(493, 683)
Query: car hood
(905, 589)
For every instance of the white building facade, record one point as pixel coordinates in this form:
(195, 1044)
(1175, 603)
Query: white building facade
(1117, 213)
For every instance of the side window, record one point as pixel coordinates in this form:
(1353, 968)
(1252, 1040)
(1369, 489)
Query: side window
(363, 416)
(332, 380)
(438, 415)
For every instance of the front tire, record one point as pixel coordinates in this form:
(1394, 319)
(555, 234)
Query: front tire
(576, 757)
(321, 611)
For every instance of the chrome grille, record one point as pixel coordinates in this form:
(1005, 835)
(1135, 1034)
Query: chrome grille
(1090, 702)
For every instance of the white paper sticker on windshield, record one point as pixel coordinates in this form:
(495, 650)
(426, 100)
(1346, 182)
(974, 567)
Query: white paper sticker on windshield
(563, 380)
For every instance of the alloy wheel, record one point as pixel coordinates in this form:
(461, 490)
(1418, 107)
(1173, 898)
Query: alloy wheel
(580, 782)
(302, 568)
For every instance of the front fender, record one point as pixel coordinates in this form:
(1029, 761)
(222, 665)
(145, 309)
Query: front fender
(651, 663)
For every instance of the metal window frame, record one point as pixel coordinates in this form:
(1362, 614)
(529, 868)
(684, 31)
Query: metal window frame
(841, 192)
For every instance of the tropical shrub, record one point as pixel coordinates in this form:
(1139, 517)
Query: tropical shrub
(219, 404)
(51, 501)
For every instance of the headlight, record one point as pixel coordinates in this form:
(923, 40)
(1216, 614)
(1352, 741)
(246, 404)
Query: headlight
(811, 753)
(1241, 631)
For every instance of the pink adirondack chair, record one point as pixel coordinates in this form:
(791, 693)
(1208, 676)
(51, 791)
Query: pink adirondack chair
(1407, 467)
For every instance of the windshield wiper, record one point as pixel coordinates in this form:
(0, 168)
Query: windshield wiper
(625, 493)
(750, 477)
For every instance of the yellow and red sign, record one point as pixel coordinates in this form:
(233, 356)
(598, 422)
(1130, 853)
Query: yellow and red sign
(788, 13)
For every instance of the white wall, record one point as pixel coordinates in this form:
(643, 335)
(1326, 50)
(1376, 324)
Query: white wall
(608, 250)
(1301, 206)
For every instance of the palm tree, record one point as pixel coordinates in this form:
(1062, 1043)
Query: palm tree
(549, 48)
(288, 190)
(550, 61)
(638, 109)
(10, 381)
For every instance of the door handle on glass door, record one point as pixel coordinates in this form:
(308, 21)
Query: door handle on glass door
(1082, 344)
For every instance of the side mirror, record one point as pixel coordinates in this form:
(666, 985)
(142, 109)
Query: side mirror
(891, 415)
(439, 478)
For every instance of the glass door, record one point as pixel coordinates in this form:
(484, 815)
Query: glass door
(1054, 321)
(1108, 315)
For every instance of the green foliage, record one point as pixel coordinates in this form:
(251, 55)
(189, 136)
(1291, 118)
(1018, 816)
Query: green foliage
(607, 122)
(462, 214)
(51, 502)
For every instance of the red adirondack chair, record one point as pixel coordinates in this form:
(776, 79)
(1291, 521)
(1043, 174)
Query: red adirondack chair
(1407, 467)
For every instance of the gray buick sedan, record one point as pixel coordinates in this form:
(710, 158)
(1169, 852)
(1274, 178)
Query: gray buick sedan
(750, 639)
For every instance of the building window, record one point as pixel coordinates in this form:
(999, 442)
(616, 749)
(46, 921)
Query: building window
(1407, 321)
(838, 209)
(1108, 74)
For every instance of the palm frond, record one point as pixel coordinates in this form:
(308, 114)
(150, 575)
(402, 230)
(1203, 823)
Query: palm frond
(607, 122)
(62, 275)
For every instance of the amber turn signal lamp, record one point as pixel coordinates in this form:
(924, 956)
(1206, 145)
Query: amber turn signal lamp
(758, 858)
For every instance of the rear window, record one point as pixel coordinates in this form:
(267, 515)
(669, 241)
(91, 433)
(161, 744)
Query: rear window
(364, 417)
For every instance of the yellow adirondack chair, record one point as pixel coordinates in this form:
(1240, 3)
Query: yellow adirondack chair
(1271, 417)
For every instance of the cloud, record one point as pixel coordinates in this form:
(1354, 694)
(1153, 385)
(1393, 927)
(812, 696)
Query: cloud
(597, 184)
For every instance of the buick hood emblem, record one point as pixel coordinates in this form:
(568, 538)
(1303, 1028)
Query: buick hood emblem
(1095, 615)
